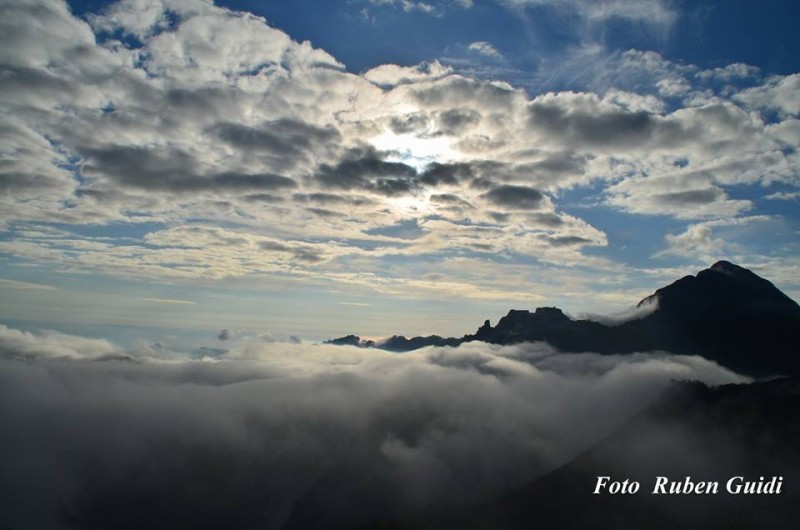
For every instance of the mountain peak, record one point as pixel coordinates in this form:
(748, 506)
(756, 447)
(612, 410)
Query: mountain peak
(727, 267)
(725, 313)
(722, 288)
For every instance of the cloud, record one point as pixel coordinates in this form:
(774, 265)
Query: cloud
(168, 301)
(653, 12)
(171, 170)
(52, 345)
(697, 241)
(435, 8)
(225, 334)
(14, 284)
(407, 5)
(783, 196)
(779, 93)
(365, 170)
(646, 307)
(730, 73)
(515, 197)
(484, 48)
(391, 75)
(248, 153)
(698, 199)
(279, 432)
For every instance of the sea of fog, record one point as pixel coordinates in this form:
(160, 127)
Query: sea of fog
(95, 435)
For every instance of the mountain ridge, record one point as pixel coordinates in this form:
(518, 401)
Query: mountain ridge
(706, 433)
(725, 313)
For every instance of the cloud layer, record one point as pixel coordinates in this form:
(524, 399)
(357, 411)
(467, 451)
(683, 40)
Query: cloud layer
(238, 141)
(273, 433)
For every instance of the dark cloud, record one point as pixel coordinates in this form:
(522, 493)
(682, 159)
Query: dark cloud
(600, 128)
(263, 197)
(697, 197)
(365, 170)
(171, 170)
(197, 100)
(437, 174)
(274, 245)
(23, 86)
(288, 141)
(455, 121)
(238, 181)
(306, 254)
(566, 241)
(324, 212)
(499, 216)
(225, 334)
(309, 255)
(547, 219)
(515, 197)
(393, 187)
(450, 198)
(12, 181)
(410, 123)
(555, 169)
(332, 199)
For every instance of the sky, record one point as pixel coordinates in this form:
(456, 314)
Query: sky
(306, 169)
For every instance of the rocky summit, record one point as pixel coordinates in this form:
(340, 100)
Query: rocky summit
(725, 313)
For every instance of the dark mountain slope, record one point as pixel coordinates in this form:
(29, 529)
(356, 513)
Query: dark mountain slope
(725, 313)
(703, 433)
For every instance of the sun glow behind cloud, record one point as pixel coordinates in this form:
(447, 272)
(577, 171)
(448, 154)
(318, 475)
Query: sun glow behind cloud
(415, 150)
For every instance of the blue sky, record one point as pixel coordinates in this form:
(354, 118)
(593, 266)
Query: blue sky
(176, 167)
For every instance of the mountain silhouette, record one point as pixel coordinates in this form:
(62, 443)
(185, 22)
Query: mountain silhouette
(707, 434)
(725, 313)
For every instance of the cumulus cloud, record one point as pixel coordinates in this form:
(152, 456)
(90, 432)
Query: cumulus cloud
(285, 434)
(390, 75)
(698, 240)
(282, 162)
(779, 93)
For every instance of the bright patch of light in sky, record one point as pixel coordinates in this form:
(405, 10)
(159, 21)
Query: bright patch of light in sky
(414, 150)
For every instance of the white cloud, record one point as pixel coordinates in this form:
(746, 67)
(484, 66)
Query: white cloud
(730, 72)
(699, 244)
(282, 163)
(783, 196)
(53, 345)
(13, 284)
(486, 49)
(780, 93)
(279, 425)
(408, 5)
(168, 301)
(391, 75)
